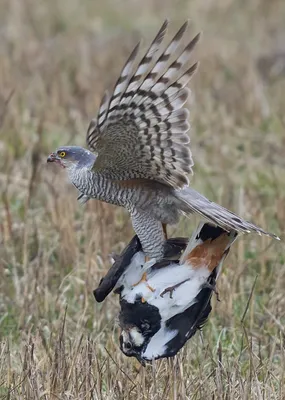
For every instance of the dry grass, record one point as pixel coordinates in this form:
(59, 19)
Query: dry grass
(56, 59)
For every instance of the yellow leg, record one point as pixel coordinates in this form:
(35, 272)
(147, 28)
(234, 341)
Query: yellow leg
(150, 288)
(144, 279)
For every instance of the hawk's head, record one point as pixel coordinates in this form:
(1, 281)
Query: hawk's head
(70, 156)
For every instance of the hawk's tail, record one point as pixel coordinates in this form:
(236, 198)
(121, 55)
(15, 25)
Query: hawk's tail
(191, 202)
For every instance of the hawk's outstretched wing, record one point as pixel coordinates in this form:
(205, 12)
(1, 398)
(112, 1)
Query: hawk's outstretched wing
(141, 129)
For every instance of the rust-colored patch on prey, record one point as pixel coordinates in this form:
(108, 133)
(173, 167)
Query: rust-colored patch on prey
(209, 253)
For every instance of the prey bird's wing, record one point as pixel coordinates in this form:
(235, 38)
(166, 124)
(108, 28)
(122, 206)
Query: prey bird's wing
(141, 129)
(109, 281)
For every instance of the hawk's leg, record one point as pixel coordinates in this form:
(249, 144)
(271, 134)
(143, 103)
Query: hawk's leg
(144, 279)
(150, 232)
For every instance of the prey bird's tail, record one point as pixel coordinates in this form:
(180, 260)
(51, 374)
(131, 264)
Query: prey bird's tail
(191, 202)
(208, 247)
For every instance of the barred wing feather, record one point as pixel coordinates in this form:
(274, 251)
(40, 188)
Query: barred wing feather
(141, 129)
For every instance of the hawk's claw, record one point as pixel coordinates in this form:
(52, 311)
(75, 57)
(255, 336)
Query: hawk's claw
(144, 279)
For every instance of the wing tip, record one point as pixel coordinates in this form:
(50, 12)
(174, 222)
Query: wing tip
(165, 24)
(273, 236)
(259, 232)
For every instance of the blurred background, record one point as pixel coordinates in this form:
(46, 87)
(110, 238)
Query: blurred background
(56, 59)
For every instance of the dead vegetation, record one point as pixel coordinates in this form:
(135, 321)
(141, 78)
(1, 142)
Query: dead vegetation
(57, 57)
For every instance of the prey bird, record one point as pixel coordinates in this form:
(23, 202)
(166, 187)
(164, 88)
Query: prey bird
(173, 298)
(138, 156)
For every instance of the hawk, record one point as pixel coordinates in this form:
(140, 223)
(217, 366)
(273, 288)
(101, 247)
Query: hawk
(139, 156)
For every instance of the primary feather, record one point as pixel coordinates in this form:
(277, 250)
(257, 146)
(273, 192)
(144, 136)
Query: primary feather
(142, 127)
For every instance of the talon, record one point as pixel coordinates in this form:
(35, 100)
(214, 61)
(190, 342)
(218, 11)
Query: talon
(150, 288)
(144, 279)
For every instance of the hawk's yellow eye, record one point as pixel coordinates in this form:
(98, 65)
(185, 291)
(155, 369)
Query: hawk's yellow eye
(62, 154)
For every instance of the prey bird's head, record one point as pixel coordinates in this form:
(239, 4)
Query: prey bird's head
(139, 322)
(132, 342)
(70, 156)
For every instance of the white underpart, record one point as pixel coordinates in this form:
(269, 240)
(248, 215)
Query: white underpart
(159, 280)
(136, 336)
(158, 342)
(125, 336)
(182, 297)
(134, 272)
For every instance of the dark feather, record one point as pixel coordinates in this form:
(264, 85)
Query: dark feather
(191, 320)
(109, 281)
(173, 248)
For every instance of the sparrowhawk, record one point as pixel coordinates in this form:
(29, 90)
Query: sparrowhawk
(138, 156)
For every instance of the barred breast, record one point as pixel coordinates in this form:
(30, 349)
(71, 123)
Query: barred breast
(100, 188)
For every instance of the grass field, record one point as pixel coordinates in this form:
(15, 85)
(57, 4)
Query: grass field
(56, 59)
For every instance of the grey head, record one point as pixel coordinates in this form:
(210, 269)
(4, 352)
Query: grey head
(72, 156)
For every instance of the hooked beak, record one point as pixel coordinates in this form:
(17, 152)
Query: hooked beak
(52, 157)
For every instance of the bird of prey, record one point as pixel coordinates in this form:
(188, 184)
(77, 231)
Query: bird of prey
(139, 156)
(172, 300)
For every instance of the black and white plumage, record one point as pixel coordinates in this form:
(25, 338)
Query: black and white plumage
(133, 256)
(140, 157)
(163, 304)
(146, 336)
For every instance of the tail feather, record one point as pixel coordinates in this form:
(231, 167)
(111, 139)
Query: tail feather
(193, 202)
